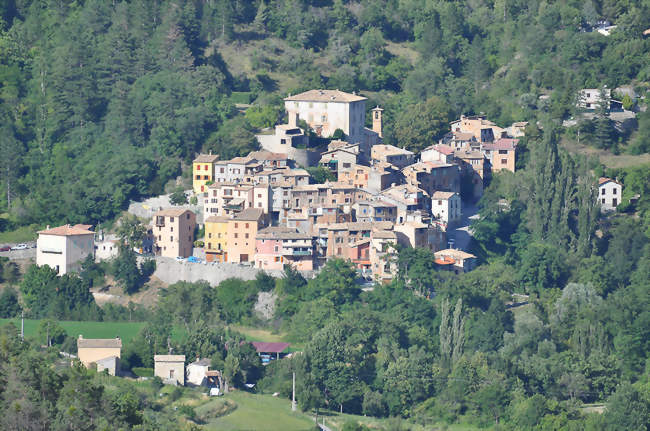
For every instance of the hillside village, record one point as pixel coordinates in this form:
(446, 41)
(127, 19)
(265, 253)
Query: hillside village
(266, 211)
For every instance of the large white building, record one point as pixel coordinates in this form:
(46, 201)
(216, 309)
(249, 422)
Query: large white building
(328, 110)
(63, 248)
(609, 194)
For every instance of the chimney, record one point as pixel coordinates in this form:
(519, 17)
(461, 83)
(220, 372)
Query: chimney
(377, 121)
(293, 119)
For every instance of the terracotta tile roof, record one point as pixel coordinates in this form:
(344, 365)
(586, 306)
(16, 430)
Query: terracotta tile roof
(444, 149)
(325, 96)
(463, 136)
(172, 212)
(206, 158)
(603, 180)
(502, 144)
(67, 230)
(98, 343)
(445, 260)
(384, 234)
(388, 150)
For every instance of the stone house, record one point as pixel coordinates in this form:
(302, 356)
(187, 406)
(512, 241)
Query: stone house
(395, 156)
(458, 261)
(170, 368)
(203, 171)
(501, 154)
(446, 208)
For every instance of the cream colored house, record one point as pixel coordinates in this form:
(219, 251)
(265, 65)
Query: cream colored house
(105, 352)
(328, 110)
(63, 248)
(173, 231)
(197, 372)
(398, 157)
(170, 368)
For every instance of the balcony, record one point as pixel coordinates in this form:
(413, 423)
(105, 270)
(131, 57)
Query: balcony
(160, 221)
(293, 252)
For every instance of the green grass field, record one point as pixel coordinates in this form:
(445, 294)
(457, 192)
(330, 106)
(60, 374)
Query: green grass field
(125, 330)
(257, 412)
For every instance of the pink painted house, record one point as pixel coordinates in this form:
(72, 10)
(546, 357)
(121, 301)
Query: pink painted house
(277, 246)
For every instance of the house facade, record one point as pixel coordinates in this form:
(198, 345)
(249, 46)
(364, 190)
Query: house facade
(96, 350)
(278, 246)
(242, 234)
(63, 248)
(609, 194)
(173, 231)
(215, 242)
(446, 207)
(328, 110)
(501, 154)
(170, 368)
(203, 171)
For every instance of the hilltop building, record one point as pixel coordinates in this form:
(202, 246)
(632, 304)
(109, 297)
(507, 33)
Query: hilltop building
(63, 248)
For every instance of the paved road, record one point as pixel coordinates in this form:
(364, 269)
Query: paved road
(148, 207)
(462, 235)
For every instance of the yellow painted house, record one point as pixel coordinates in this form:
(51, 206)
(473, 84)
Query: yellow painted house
(203, 171)
(215, 240)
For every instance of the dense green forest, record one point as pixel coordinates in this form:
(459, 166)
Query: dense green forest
(103, 102)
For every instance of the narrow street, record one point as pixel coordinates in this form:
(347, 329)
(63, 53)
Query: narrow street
(461, 235)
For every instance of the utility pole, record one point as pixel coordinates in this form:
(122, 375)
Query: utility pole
(293, 394)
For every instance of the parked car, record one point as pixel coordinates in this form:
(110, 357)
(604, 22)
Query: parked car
(193, 259)
(20, 247)
(5, 248)
(179, 259)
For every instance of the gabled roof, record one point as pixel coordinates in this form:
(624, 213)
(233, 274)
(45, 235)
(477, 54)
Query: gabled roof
(502, 144)
(604, 180)
(172, 212)
(267, 155)
(249, 214)
(280, 232)
(263, 347)
(453, 253)
(169, 358)
(206, 158)
(443, 149)
(216, 219)
(325, 96)
(67, 230)
(98, 343)
(442, 195)
(205, 362)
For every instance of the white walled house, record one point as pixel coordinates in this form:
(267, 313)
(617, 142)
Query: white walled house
(63, 248)
(328, 110)
(196, 372)
(446, 207)
(609, 194)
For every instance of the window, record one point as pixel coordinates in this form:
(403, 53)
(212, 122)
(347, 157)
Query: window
(221, 170)
(323, 118)
(206, 177)
(613, 191)
(246, 225)
(159, 237)
(503, 151)
(614, 202)
(205, 167)
(246, 235)
(439, 202)
(236, 235)
(209, 245)
(171, 229)
(171, 238)
(276, 249)
(236, 225)
(603, 201)
(171, 219)
(504, 161)
(198, 177)
(603, 191)
(259, 195)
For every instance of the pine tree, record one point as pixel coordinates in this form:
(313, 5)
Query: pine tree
(261, 17)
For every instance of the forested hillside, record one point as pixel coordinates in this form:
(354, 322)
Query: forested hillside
(102, 101)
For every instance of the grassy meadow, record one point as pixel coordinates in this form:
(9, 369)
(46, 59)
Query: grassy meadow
(125, 330)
